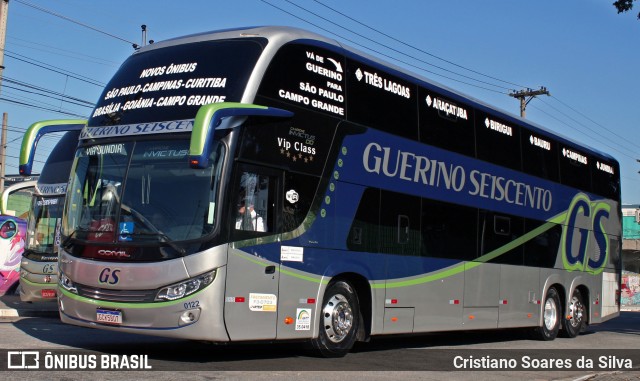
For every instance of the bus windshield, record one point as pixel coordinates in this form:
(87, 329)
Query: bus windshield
(160, 85)
(44, 224)
(141, 191)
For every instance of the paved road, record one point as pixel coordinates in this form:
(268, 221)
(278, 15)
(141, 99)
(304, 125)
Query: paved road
(426, 357)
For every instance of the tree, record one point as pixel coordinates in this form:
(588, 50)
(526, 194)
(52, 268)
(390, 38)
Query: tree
(624, 6)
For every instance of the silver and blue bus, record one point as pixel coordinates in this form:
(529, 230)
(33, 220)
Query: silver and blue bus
(272, 184)
(39, 265)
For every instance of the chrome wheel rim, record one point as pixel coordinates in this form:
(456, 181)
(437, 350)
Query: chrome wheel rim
(576, 310)
(550, 314)
(337, 318)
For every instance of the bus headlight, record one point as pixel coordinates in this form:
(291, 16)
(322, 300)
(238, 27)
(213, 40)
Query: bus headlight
(186, 288)
(66, 283)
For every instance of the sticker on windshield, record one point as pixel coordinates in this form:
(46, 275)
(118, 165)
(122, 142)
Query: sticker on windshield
(125, 231)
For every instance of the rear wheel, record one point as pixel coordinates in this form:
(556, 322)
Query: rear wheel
(576, 316)
(339, 320)
(551, 314)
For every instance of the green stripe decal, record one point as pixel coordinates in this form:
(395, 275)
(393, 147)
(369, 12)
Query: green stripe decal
(283, 271)
(457, 269)
(32, 132)
(454, 270)
(201, 124)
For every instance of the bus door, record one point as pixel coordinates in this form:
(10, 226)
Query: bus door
(251, 294)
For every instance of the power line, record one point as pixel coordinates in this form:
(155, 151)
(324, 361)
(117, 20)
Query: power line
(70, 54)
(44, 95)
(394, 49)
(603, 136)
(607, 138)
(47, 92)
(52, 68)
(31, 105)
(377, 51)
(20, 97)
(74, 21)
(625, 139)
(582, 132)
(416, 48)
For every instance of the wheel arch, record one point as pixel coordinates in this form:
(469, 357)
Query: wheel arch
(586, 299)
(362, 290)
(553, 282)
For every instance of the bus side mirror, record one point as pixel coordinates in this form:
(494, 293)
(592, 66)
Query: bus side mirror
(36, 131)
(209, 117)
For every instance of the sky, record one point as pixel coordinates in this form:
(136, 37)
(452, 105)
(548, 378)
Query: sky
(582, 51)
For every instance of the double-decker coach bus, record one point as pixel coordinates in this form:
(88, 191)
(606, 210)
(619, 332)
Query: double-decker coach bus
(39, 265)
(272, 184)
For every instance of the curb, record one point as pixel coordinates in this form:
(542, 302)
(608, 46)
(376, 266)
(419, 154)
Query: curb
(11, 313)
(8, 312)
(12, 307)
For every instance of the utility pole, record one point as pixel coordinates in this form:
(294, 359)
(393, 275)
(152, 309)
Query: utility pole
(3, 150)
(526, 96)
(4, 11)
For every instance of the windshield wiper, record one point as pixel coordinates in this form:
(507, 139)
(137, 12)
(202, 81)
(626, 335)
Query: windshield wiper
(66, 241)
(164, 239)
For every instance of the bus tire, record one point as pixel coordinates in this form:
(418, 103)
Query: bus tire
(575, 319)
(339, 321)
(551, 316)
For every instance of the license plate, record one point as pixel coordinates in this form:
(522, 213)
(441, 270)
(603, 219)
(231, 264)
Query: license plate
(48, 294)
(108, 316)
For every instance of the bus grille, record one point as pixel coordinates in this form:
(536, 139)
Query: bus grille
(132, 296)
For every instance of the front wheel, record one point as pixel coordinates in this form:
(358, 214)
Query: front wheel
(573, 324)
(339, 320)
(551, 317)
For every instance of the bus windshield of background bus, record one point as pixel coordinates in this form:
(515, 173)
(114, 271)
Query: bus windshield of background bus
(44, 224)
(160, 198)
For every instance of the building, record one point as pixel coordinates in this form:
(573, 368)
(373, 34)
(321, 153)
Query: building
(630, 255)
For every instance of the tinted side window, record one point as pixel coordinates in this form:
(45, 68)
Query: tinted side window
(254, 203)
(542, 250)
(498, 230)
(445, 123)
(575, 169)
(300, 144)
(308, 76)
(606, 178)
(448, 230)
(381, 100)
(497, 141)
(400, 224)
(364, 234)
(539, 156)
(299, 191)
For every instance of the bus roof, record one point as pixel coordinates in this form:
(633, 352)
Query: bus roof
(281, 35)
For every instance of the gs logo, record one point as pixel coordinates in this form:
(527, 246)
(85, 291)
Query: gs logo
(109, 276)
(585, 226)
